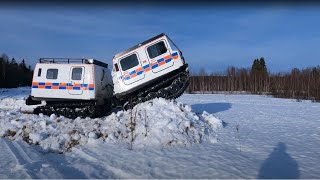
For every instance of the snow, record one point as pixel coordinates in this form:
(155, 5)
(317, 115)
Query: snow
(158, 122)
(242, 136)
(15, 99)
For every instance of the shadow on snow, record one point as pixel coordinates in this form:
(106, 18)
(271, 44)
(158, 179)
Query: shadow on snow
(211, 107)
(279, 165)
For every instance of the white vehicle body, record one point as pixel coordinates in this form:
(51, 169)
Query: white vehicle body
(68, 81)
(86, 88)
(143, 64)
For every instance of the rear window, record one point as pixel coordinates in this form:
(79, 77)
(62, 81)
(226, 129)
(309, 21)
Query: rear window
(76, 74)
(157, 49)
(129, 62)
(52, 74)
(39, 72)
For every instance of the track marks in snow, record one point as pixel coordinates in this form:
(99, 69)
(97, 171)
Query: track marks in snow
(33, 163)
(9, 166)
(111, 171)
(34, 168)
(19, 159)
(206, 161)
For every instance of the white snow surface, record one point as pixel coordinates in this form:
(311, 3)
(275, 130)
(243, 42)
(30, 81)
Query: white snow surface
(264, 137)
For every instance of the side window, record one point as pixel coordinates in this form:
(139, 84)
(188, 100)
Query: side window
(157, 49)
(52, 73)
(116, 66)
(129, 62)
(76, 74)
(39, 72)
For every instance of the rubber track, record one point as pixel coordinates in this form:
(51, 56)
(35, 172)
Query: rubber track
(71, 110)
(161, 88)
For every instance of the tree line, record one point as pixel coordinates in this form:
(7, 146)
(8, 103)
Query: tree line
(298, 83)
(13, 74)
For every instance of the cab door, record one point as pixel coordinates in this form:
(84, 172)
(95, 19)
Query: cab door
(159, 55)
(76, 80)
(131, 69)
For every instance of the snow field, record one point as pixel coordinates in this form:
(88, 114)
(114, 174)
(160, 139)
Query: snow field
(264, 124)
(265, 138)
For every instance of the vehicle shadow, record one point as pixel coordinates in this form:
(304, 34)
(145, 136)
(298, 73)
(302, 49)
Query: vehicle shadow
(279, 165)
(211, 107)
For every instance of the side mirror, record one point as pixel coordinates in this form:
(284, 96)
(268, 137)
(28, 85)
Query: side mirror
(180, 52)
(103, 73)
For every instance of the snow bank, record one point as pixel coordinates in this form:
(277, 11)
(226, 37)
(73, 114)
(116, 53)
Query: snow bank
(11, 99)
(159, 122)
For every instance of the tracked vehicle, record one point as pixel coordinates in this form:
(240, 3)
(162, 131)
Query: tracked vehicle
(71, 87)
(86, 88)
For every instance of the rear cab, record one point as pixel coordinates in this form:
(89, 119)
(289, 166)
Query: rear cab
(145, 63)
(54, 80)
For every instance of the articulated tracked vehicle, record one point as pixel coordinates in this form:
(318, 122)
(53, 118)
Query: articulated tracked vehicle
(85, 87)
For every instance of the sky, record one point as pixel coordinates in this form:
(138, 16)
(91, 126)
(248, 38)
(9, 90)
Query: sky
(210, 37)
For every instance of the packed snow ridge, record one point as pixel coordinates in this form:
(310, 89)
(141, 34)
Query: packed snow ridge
(158, 122)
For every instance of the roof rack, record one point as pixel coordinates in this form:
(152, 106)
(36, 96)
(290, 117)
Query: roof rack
(73, 60)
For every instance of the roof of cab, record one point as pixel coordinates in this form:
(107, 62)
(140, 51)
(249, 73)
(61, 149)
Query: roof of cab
(138, 45)
(72, 60)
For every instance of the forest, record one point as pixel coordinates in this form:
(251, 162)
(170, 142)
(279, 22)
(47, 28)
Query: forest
(298, 83)
(13, 74)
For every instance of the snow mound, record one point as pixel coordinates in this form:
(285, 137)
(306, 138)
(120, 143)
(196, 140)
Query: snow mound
(15, 98)
(158, 122)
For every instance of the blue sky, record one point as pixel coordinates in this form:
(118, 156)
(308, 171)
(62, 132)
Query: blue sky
(210, 37)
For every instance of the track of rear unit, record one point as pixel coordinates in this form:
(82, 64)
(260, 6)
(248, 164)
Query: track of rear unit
(169, 87)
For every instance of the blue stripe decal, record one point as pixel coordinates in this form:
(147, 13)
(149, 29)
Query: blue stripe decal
(175, 54)
(160, 60)
(91, 89)
(133, 72)
(41, 83)
(146, 66)
(155, 66)
(54, 85)
(168, 60)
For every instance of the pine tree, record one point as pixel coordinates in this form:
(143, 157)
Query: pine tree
(13, 61)
(263, 66)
